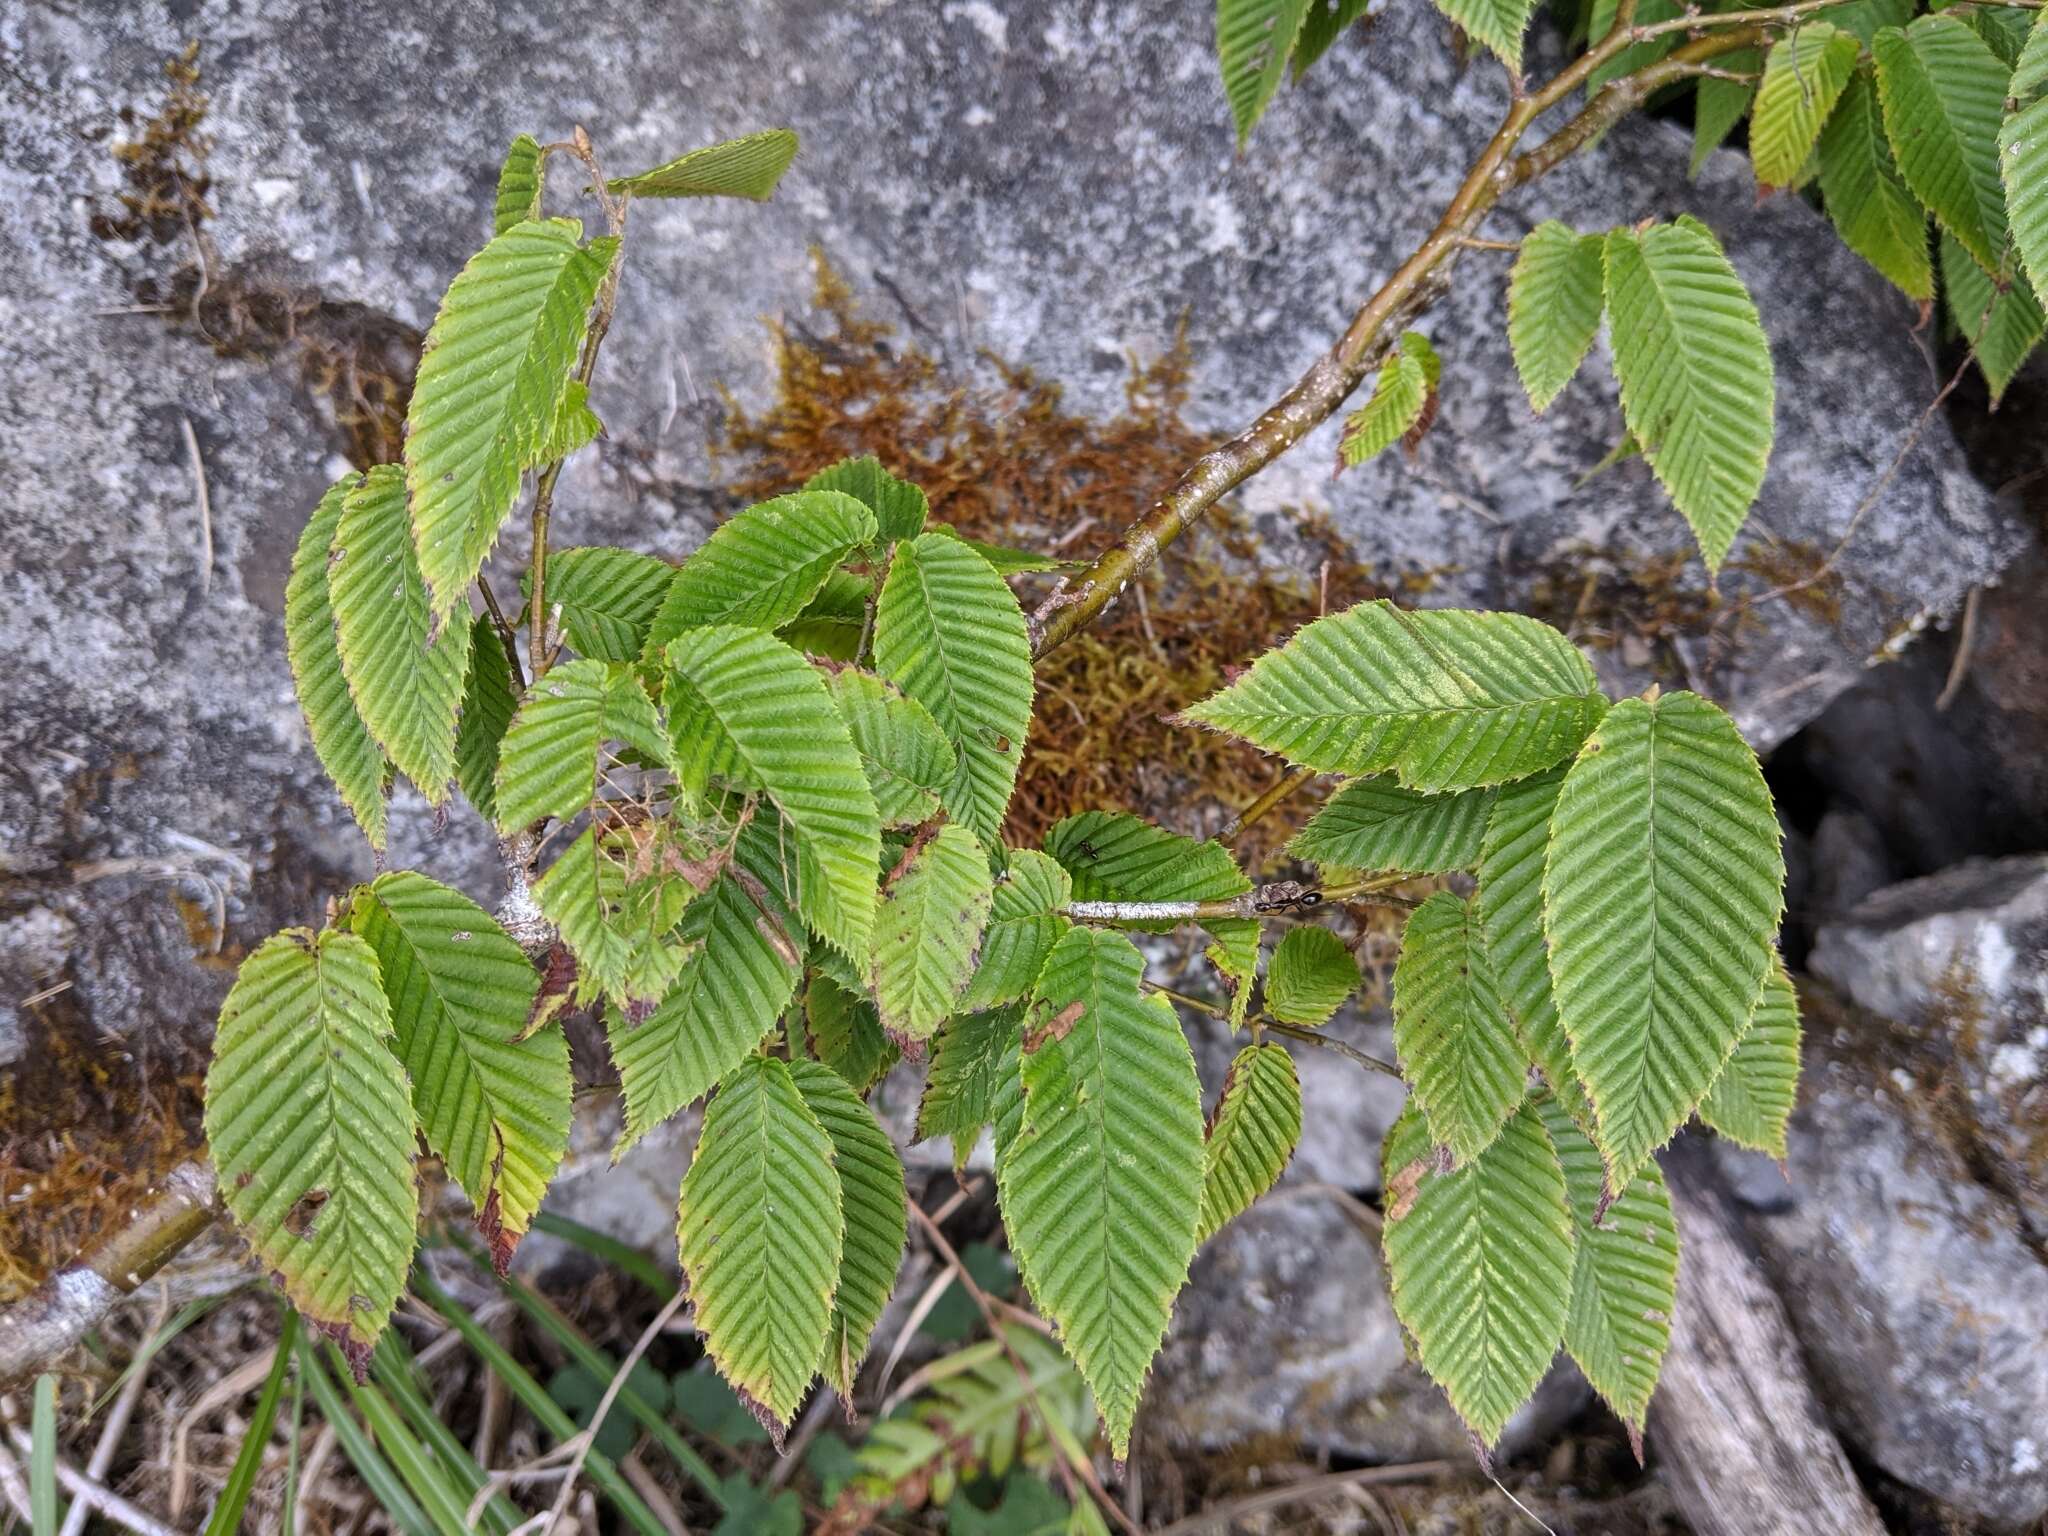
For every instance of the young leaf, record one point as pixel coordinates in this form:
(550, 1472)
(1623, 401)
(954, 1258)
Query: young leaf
(909, 761)
(1718, 104)
(1499, 24)
(407, 690)
(748, 166)
(1253, 40)
(1873, 212)
(1374, 824)
(761, 1229)
(311, 1134)
(1251, 1136)
(618, 929)
(1467, 1069)
(1444, 698)
(744, 707)
(1943, 92)
(342, 742)
(493, 1105)
(488, 704)
(1554, 300)
(846, 1033)
(900, 508)
(873, 1198)
(1803, 78)
(608, 598)
(1480, 1263)
(967, 1065)
(1309, 977)
(2023, 153)
(1752, 1100)
(1101, 1187)
(487, 395)
(2003, 326)
(834, 624)
(949, 633)
(1662, 888)
(932, 910)
(762, 566)
(1400, 400)
(1023, 925)
(519, 184)
(1695, 372)
(548, 762)
(1624, 1273)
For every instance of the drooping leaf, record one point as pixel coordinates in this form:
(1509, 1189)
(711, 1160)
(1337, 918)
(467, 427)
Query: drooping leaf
(1943, 94)
(1554, 302)
(608, 598)
(1251, 1136)
(1751, 1102)
(748, 166)
(1459, 1051)
(1375, 824)
(1326, 22)
(407, 691)
(967, 1065)
(900, 508)
(341, 740)
(846, 1033)
(761, 567)
(2023, 154)
(1443, 698)
(519, 184)
(927, 927)
(1873, 212)
(488, 393)
(1400, 401)
(2004, 326)
(549, 761)
(1804, 75)
(1661, 891)
(909, 761)
(1718, 104)
(495, 1106)
(620, 930)
(1499, 24)
(744, 707)
(310, 1132)
(873, 1199)
(1480, 1263)
(949, 633)
(1101, 1187)
(761, 1229)
(1023, 925)
(1253, 41)
(1697, 388)
(1624, 1272)
(488, 703)
(1309, 977)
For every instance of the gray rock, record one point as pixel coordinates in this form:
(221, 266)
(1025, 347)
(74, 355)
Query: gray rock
(1849, 862)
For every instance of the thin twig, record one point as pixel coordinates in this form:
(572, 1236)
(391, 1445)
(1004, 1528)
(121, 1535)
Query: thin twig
(1275, 1026)
(204, 501)
(1273, 899)
(1307, 1488)
(117, 1417)
(1280, 791)
(588, 1437)
(1959, 668)
(97, 1495)
(506, 632)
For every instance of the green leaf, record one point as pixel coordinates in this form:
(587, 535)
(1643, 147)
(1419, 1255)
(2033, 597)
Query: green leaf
(1803, 78)
(1696, 382)
(1719, 104)
(1873, 212)
(727, 996)
(493, 1105)
(949, 633)
(2023, 153)
(1444, 698)
(1865, 17)
(1023, 925)
(1251, 1136)
(761, 567)
(608, 598)
(1624, 1273)
(932, 910)
(748, 166)
(2002, 326)
(907, 758)
(1253, 41)
(873, 1197)
(900, 508)
(486, 399)
(1310, 976)
(2030, 74)
(310, 1132)
(973, 1052)
(1751, 1102)
(1005, 560)
(488, 704)
(846, 1033)
(1554, 302)
(1101, 1189)
(1499, 24)
(1662, 889)
(407, 690)
(744, 707)
(1400, 400)
(1943, 92)
(1375, 824)
(519, 184)
(341, 740)
(835, 622)
(548, 763)
(1480, 1262)
(618, 928)
(1459, 1051)
(574, 425)
(1327, 21)
(761, 1230)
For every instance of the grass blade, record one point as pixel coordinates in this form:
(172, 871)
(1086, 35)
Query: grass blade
(391, 1494)
(393, 1369)
(234, 1498)
(443, 1502)
(42, 1461)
